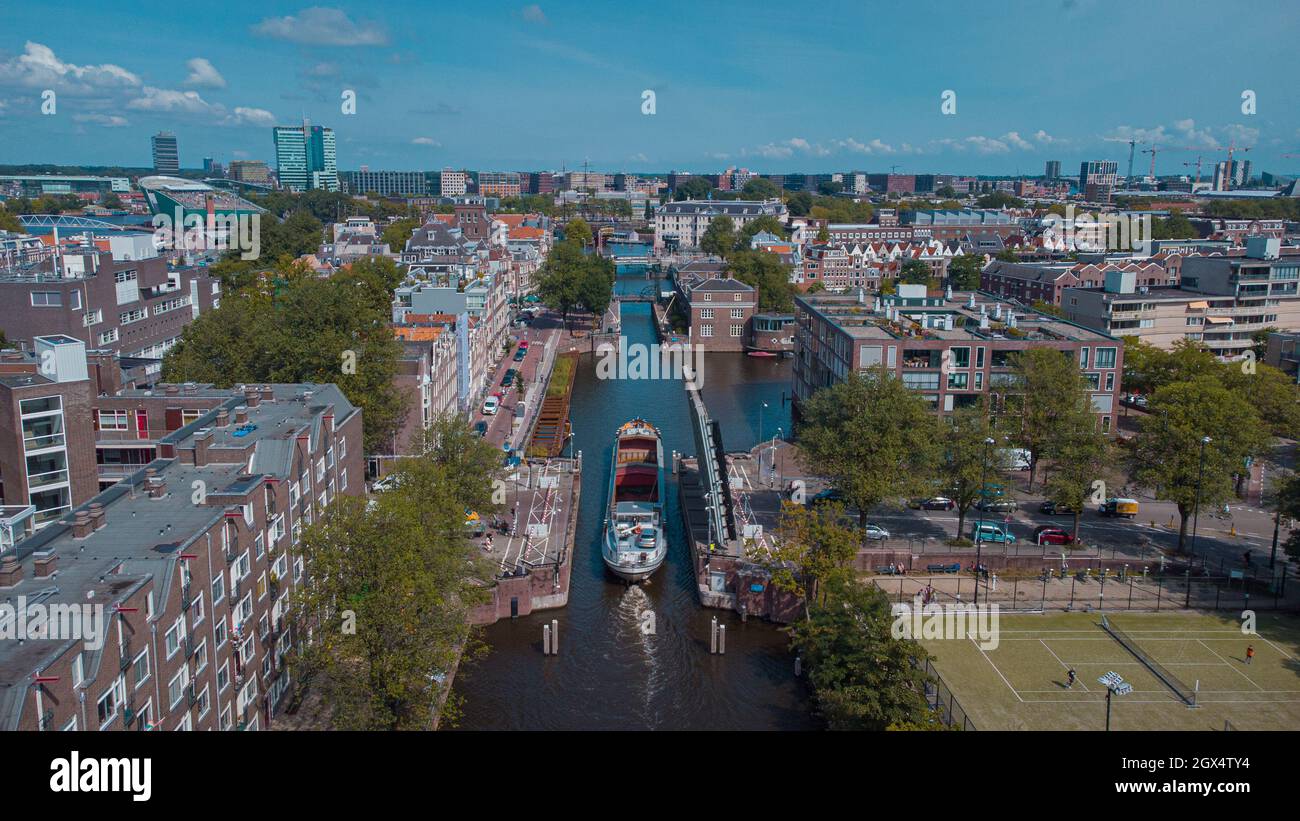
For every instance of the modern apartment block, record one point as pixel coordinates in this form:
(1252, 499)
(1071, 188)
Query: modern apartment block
(453, 183)
(386, 183)
(1030, 282)
(953, 351)
(1220, 301)
(254, 171)
(1097, 179)
(115, 301)
(499, 184)
(682, 224)
(166, 153)
(956, 223)
(306, 157)
(189, 562)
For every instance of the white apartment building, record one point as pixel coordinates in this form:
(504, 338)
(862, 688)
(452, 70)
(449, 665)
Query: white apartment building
(453, 183)
(682, 224)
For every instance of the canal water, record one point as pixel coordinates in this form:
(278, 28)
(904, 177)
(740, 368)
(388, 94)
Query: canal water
(611, 674)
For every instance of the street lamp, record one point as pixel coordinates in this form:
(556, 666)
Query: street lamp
(760, 421)
(979, 525)
(1115, 686)
(1200, 474)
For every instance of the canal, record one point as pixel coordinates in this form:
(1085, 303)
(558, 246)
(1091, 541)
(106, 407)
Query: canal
(610, 674)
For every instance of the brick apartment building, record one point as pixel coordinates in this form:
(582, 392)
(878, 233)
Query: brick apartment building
(718, 308)
(910, 332)
(133, 307)
(192, 560)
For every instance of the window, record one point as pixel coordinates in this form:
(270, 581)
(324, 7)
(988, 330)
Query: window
(201, 656)
(737, 330)
(706, 313)
(219, 631)
(218, 588)
(196, 610)
(110, 701)
(223, 677)
(127, 317)
(1105, 358)
(47, 299)
(176, 687)
(114, 420)
(957, 381)
(737, 313)
(225, 718)
(735, 297)
(708, 297)
(1083, 359)
(205, 703)
(261, 586)
(706, 331)
(108, 336)
(243, 566)
(140, 668)
(175, 634)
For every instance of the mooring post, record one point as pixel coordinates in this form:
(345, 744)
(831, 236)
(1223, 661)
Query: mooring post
(713, 636)
(555, 637)
(546, 639)
(798, 666)
(722, 639)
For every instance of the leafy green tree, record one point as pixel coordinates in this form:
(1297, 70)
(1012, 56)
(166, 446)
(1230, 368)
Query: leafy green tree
(1168, 447)
(812, 548)
(968, 459)
(799, 203)
(397, 233)
(1044, 378)
(1274, 395)
(999, 199)
(9, 221)
(947, 192)
(720, 237)
(829, 188)
(1007, 255)
(915, 272)
(824, 234)
(862, 677)
(964, 272)
(559, 281)
(760, 188)
(695, 188)
(390, 582)
(1080, 453)
(577, 230)
(764, 224)
(872, 437)
(769, 275)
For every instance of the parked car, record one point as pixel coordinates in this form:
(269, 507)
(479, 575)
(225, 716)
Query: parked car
(989, 532)
(1127, 508)
(827, 496)
(1051, 534)
(490, 405)
(480, 428)
(876, 533)
(509, 378)
(520, 353)
(933, 503)
(1002, 505)
(1055, 509)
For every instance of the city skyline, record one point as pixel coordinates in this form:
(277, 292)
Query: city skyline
(499, 93)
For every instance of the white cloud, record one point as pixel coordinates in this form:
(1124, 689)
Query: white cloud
(105, 120)
(172, 101)
(320, 26)
(38, 67)
(638, 157)
(534, 14)
(250, 116)
(1014, 139)
(426, 141)
(203, 73)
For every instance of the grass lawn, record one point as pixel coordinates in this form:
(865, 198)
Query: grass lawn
(561, 376)
(1020, 684)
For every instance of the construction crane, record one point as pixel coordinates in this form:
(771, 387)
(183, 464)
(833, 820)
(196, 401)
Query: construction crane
(1153, 150)
(1132, 144)
(1231, 148)
(1198, 170)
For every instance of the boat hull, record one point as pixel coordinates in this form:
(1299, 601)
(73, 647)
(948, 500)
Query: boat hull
(633, 544)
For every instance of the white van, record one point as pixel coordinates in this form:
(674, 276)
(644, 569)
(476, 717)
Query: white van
(490, 405)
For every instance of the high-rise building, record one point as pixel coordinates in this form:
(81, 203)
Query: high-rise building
(250, 171)
(166, 154)
(453, 183)
(1097, 179)
(499, 184)
(1053, 170)
(305, 157)
(386, 183)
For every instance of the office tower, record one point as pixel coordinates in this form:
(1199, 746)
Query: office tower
(166, 154)
(1053, 171)
(305, 157)
(1097, 179)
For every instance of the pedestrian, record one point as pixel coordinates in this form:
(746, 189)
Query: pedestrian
(1250, 652)
(1069, 679)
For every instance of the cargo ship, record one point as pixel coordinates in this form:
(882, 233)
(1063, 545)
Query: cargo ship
(634, 544)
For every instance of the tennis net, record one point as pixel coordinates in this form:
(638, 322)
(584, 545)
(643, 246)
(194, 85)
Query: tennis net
(1187, 694)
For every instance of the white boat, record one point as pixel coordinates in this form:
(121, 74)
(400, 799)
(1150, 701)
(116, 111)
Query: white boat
(634, 544)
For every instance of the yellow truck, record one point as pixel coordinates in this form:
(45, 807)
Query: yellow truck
(1128, 508)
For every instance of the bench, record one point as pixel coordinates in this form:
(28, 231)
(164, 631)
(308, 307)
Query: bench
(955, 567)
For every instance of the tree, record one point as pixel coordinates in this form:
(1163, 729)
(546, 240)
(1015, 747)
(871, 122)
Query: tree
(914, 272)
(968, 460)
(799, 203)
(559, 279)
(1007, 255)
(1000, 199)
(946, 192)
(964, 272)
(577, 230)
(769, 275)
(390, 583)
(398, 232)
(824, 234)
(695, 188)
(1167, 451)
(720, 237)
(764, 224)
(303, 328)
(760, 188)
(1047, 308)
(1273, 394)
(9, 221)
(872, 437)
(1148, 368)
(812, 548)
(1259, 341)
(862, 677)
(1079, 452)
(1045, 377)
(829, 188)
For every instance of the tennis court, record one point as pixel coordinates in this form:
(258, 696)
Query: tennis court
(1020, 684)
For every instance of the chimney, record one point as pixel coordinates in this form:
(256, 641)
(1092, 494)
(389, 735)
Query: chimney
(44, 563)
(202, 441)
(155, 484)
(223, 418)
(267, 394)
(252, 396)
(82, 525)
(241, 414)
(11, 572)
(97, 515)
(172, 390)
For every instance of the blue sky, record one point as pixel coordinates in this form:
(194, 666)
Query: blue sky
(816, 86)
